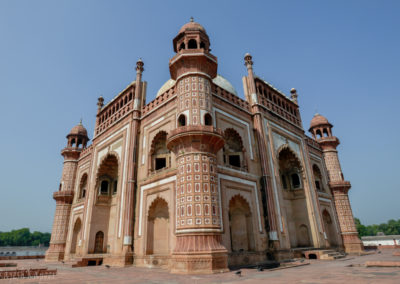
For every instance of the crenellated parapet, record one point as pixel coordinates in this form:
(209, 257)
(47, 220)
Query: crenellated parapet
(115, 110)
(231, 98)
(159, 101)
(276, 102)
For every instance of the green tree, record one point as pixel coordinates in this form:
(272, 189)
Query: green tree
(392, 227)
(23, 237)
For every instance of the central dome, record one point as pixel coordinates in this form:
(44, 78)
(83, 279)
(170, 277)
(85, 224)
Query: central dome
(192, 26)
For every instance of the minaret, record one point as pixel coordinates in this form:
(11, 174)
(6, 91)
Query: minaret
(266, 191)
(77, 140)
(321, 130)
(132, 167)
(195, 142)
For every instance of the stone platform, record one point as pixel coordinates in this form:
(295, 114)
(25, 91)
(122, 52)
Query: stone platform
(351, 269)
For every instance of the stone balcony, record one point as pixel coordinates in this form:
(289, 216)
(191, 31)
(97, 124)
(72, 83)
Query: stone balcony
(197, 137)
(65, 196)
(341, 185)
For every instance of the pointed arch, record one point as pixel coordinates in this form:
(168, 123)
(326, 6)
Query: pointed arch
(158, 227)
(99, 242)
(83, 186)
(290, 168)
(241, 224)
(318, 180)
(159, 153)
(233, 151)
(75, 242)
(330, 229)
(192, 44)
(108, 174)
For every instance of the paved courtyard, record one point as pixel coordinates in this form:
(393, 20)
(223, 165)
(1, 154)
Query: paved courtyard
(348, 270)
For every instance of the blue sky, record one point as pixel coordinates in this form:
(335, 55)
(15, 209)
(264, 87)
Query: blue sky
(57, 57)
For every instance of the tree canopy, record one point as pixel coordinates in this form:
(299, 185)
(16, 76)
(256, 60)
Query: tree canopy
(392, 227)
(23, 237)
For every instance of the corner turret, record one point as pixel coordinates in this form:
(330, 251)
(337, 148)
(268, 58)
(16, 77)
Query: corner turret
(321, 129)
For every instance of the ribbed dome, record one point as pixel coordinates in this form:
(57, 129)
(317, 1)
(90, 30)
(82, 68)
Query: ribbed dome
(318, 120)
(78, 130)
(192, 26)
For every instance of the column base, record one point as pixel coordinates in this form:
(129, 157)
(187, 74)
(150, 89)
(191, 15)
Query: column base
(352, 244)
(55, 253)
(120, 260)
(199, 263)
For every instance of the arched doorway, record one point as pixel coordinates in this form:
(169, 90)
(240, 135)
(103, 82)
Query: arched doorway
(158, 228)
(241, 227)
(303, 239)
(329, 228)
(75, 236)
(98, 242)
(294, 198)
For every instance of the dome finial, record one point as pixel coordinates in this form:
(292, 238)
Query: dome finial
(80, 122)
(191, 19)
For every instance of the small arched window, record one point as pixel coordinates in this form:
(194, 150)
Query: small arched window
(318, 134)
(295, 180)
(234, 150)
(104, 187)
(325, 132)
(182, 46)
(202, 45)
(83, 186)
(73, 142)
(207, 119)
(160, 154)
(318, 178)
(290, 170)
(284, 183)
(115, 187)
(182, 120)
(192, 44)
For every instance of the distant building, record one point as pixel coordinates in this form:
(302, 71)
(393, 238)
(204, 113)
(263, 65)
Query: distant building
(382, 241)
(199, 178)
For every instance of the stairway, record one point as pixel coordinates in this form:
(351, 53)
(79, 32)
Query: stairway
(324, 254)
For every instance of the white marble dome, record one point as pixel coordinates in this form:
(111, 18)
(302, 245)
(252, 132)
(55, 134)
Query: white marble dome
(224, 84)
(167, 85)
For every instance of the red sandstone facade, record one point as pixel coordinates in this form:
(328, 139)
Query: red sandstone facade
(199, 179)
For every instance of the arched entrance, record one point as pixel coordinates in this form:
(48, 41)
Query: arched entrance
(98, 242)
(158, 228)
(75, 236)
(241, 227)
(329, 228)
(303, 239)
(294, 199)
(104, 214)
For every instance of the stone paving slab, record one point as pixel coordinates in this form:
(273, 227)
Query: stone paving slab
(349, 270)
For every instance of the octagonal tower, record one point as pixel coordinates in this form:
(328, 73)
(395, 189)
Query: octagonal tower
(77, 141)
(321, 130)
(195, 143)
